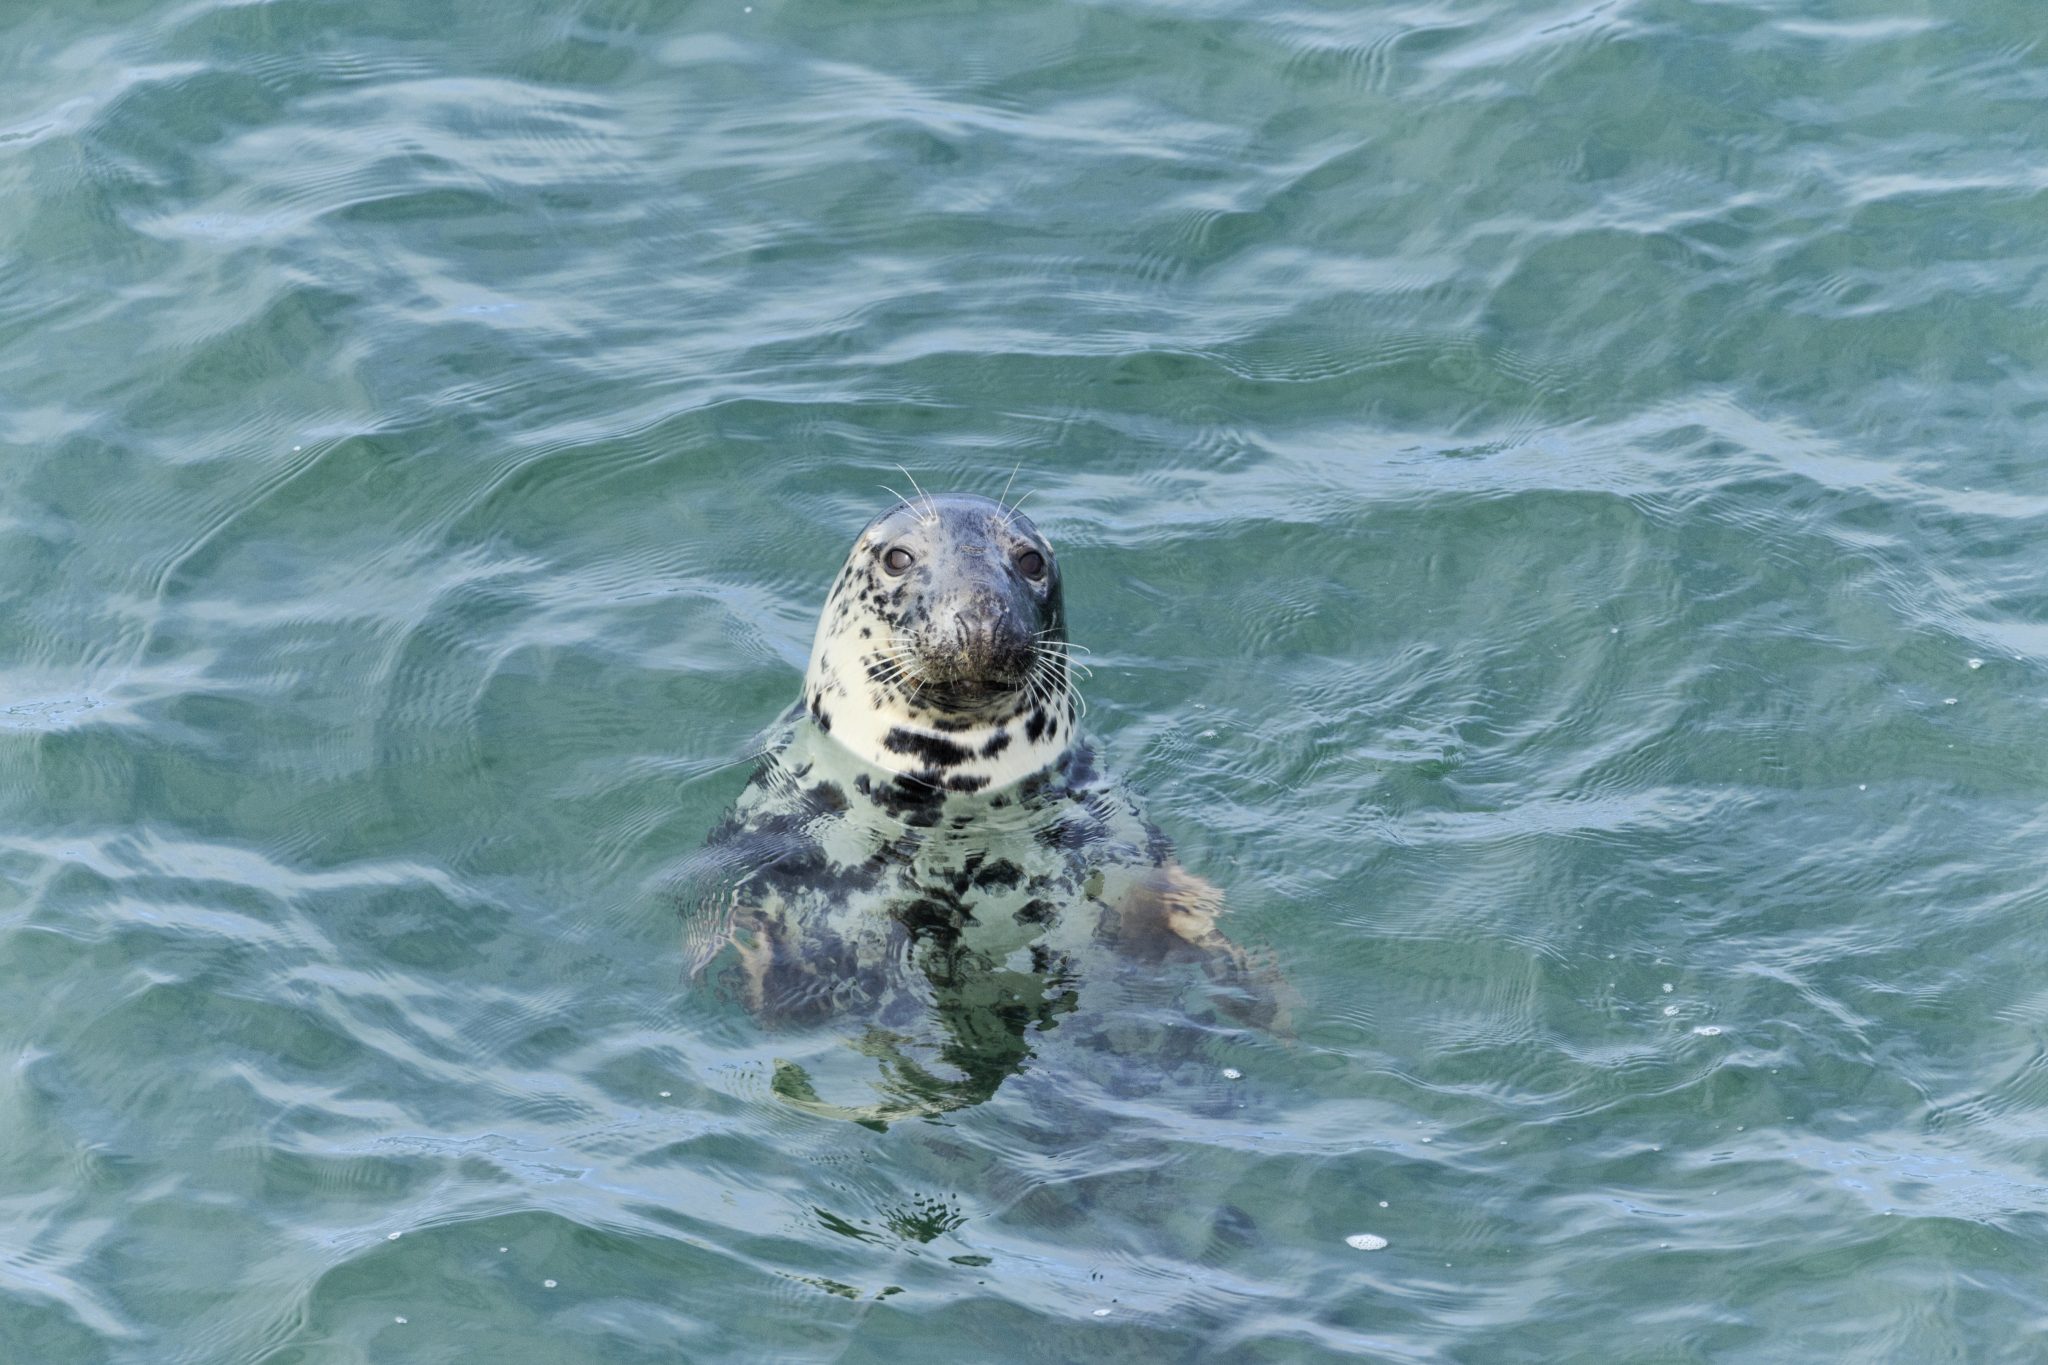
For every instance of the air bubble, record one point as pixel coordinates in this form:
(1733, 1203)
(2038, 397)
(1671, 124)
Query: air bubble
(1366, 1241)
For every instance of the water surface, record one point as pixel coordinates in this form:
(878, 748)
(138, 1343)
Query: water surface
(1553, 492)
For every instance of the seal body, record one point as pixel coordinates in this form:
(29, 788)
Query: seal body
(931, 836)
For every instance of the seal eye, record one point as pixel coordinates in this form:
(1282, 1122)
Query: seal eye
(1032, 564)
(898, 560)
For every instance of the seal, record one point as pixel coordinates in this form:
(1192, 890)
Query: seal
(932, 835)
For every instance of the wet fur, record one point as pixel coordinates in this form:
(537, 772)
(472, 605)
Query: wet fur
(926, 840)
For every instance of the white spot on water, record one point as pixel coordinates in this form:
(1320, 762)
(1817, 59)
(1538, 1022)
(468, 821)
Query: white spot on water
(1667, 988)
(1366, 1241)
(1976, 664)
(1708, 1030)
(664, 1094)
(400, 1320)
(1670, 1010)
(547, 1284)
(1383, 1203)
(390, 1236)
(1614, 630)
(503, 1249)
(1208, 734)
(1948, 701)
(1102, 1312)
(1231, 1073)
(1863, 786)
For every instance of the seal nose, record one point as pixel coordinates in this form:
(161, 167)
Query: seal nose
(987, 630)
(980, 636)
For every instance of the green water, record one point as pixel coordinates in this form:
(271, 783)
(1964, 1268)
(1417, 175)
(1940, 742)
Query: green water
(1554, 492)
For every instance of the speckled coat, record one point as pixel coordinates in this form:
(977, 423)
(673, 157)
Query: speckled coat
(921, 839)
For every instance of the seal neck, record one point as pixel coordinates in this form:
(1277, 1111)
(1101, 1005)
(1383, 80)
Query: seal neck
(993, 748)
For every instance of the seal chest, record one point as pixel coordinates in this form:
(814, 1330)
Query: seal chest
(933, 836)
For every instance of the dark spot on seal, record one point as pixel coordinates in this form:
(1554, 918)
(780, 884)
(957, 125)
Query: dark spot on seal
(967, 782)
(936, 917)
(1002, 874)
(1036, 912)
(915, 799)
(940, 753)
(806, 865)
(997, 742)
(1055, 966)
(1034, 728)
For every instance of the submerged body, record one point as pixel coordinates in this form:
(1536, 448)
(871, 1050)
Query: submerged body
(932, 836)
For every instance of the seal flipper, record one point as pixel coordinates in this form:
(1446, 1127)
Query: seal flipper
(1169, 915)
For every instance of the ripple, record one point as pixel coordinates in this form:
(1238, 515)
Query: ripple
(1528, 562)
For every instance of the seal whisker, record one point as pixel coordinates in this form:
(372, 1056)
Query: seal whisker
(1073, 665)
(1003, 498)
(931, 510)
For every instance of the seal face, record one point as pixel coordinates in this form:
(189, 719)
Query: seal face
(932, 839)
(942, 651)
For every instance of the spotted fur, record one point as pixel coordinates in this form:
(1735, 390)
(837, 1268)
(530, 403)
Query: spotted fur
(932, 837)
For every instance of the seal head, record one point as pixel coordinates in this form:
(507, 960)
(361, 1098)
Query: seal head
(941, 656)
